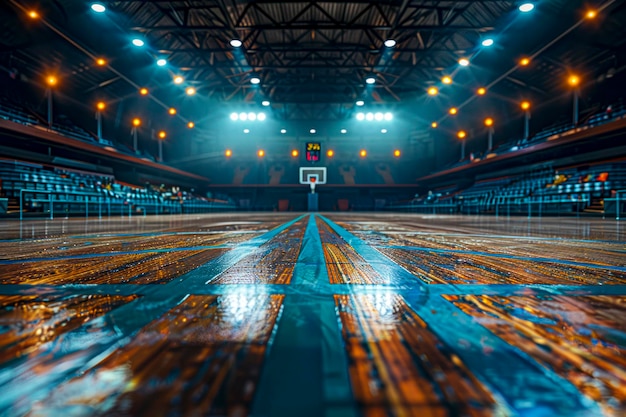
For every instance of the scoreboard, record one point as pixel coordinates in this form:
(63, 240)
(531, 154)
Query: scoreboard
(313, 151)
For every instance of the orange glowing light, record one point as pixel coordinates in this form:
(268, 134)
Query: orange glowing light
(162, 134)
(101, 62)
(191, 125)
(433, 91)
(33, 14)
(453, 111)
(261, 153)
(461, 134)
(330, 153)
(363, 153)
(172, 111)
(294, 153)
(434, 125)
(101, 105)
(524, 62)
(525, 105)
(573, 80)
(178, 79)
(136, 122)
(446, 80)
(52, 80)
(481, 91)
(397, 153)
(591, 14)
(143, 91)
(488, 122)
(228, 153)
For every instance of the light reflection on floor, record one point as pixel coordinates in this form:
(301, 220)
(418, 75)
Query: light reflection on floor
(386, 315)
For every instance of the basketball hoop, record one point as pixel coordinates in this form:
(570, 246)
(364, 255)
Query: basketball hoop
(312, 176)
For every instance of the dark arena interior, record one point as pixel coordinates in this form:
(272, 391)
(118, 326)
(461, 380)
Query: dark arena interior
(313, 208)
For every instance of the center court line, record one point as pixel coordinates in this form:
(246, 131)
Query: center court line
(524, 385)
(85, 346)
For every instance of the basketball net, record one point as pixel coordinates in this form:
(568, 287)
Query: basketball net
(312, 184)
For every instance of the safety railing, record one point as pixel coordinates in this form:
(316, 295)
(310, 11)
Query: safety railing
(618, 200)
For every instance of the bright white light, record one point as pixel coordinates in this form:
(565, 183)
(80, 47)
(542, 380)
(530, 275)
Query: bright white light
(255, 80)
(383, 130)
(190, 91)
(360, 116)
(360, 103)
(265, 103)
(138, 42)
(161, 62)
(312, 131)
(243, 117)
(246, 131)
(487, 42)
(283, 131)
(252, 116)
(234, 117)
(370, 80)
(98, 8)
(343, 131)
(379, 116)
(388, 116)
(526, 7)
(236, 43)
(390, 43)
(261, 117)
(369, 117)
(464, 62)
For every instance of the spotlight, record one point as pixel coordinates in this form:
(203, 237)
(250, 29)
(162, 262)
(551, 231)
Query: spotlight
(464, 62)
(360, 103)
(255, 80)
(136, 122)
(369, 117)
(190, 91)
(138, 42)
(101, 62)
(363, 153)
(143, 91)
(162, 134)
(370, 80)
(388, 116)
(243, 116)
(446, 80)
(526, 7)
(234, 117)
(294, 153)
(524, 62)
(488, 122)
(383, 131)
(343, 131)
(101, 105)
(330, 153)
(461, 134)
(453, 111)
(191, 125)
(378, 116)
(33, 14)
(481, 91)
(312, 131)
(397, 153)
(525, 105)
(178, 79)
(390, 43)
(283, 131)
(265, 103)
(360, 116)
(261, 117)
(261, 153)
(98, 8)
(246, 131)
(172, 111)
(236, 43)
(573, 80)
(433, 91)
(228, 153)
(252, 116)
(591, 14)
(487, 42)
(161, 62)
(52, 81)
(434, 125)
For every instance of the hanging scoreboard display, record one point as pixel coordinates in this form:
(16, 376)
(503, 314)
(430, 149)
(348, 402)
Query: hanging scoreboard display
(313, 151)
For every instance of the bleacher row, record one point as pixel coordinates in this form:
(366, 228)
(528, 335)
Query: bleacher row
(592, 188)
(34, 188)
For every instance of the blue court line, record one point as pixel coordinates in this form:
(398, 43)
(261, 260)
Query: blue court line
(97, 338)
(505, 256)
(110, 254)
(524, 385)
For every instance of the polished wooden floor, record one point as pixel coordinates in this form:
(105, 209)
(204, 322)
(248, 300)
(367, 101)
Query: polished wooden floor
(313, 315)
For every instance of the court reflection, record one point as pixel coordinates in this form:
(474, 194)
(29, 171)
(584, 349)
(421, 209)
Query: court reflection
(203, 357)
(399, 367)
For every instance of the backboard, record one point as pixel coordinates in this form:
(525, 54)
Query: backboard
(312, 176)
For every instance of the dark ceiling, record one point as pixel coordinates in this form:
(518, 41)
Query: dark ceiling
(313, 57)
